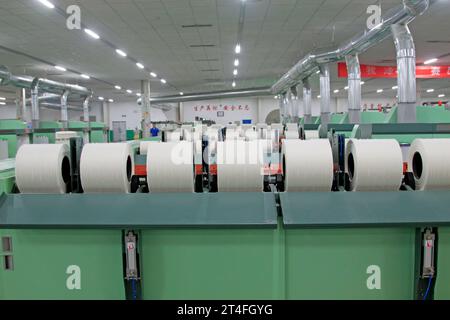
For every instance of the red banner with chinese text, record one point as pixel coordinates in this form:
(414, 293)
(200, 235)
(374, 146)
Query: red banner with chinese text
(422, 72)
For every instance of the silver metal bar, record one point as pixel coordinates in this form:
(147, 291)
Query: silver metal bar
(35, 107)
(354, 88)
(212, 95)
(403, 14)
(406, 73)
(64, 112)
(86, 104)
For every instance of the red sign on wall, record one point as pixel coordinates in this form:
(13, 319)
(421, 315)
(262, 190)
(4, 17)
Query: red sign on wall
(220, 107)
(422, 72)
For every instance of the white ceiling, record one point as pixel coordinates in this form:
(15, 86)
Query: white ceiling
(276, 34)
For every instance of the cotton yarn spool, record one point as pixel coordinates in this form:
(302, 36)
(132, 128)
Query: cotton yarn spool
(106, 167)
(239, 166)
(43, 168)
(311, 134)
(170, 167)
(290, 134)
(429, 160)
(308, 165)
(374, 165)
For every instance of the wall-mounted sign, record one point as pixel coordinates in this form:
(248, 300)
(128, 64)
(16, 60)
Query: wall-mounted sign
(221, 107)
(220, 114)
(370, 71)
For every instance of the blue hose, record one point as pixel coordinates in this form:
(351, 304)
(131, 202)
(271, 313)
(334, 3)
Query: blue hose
(428, 288)
(133, 289)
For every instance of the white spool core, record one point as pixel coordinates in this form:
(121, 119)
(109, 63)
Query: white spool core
(374, 165)
(43, 168)
(429, 160)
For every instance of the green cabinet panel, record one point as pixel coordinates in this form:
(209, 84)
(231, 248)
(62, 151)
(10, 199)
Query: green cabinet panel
(333, 263)
(212, 264)
(442, 287)
(41, 259)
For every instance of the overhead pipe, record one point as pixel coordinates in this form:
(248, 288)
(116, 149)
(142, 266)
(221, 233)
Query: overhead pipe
(212, 95)
(6, 78)
(307, 98)
(325, 95)
(86, 104)
(64, 112)
(402, 14)
(354, 88)
(406, 73)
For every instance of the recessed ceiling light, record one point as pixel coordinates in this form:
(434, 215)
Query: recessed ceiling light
(181, 93)
(111, 100)
(154, 75)
(129, 91)
(336, 91)
(2, 98)
(318, 97)
(60, 68)
(118, 87)
(346, 88)
(235, 72)
(121, 53)
(362, 82)
(236, 62)
(140, 65)
(430, 90)
(47, 3)
(138, 94)
(429, 61)
(318, 71)
(275, 97)
(3, 103)
(85, 76)
(441, 95)
(379, 90)
(233, 84)
(101, 98)
(92, 34)
(394, 87)
(163, 81)
(237, 49)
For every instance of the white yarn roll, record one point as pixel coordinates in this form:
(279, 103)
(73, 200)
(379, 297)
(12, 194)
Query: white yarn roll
(42, 168)
(106, 167)
(308, 165)
(292, 127)
(377, 165)
(239, 166)
(311, 134)
(251, 135)
(429, 160)
(173, 136)
(291, 135)
(170, 167)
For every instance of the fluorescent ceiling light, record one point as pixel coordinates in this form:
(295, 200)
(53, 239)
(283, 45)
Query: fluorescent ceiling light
(318, 97)
(441, 95)
(3, 103)
(92, 34)
(129, 91)
(238, 49)
(379, 90)
(154, 75)
(233, 84)
(85, 76)
(318, 71)
(430, 90)
(101, 98)
(138, 94)
(236, 62)
(111, 100)
(118, 87)
(394, 87)
(235, 72)
(121, 53)
(60, 68)
(346, 88)
(2, 98)
(362, 82)
(275, 97)
(181, 93)
(430, 61)
(140, 65)
(336, 91)
(47, 3)
(163, 81)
